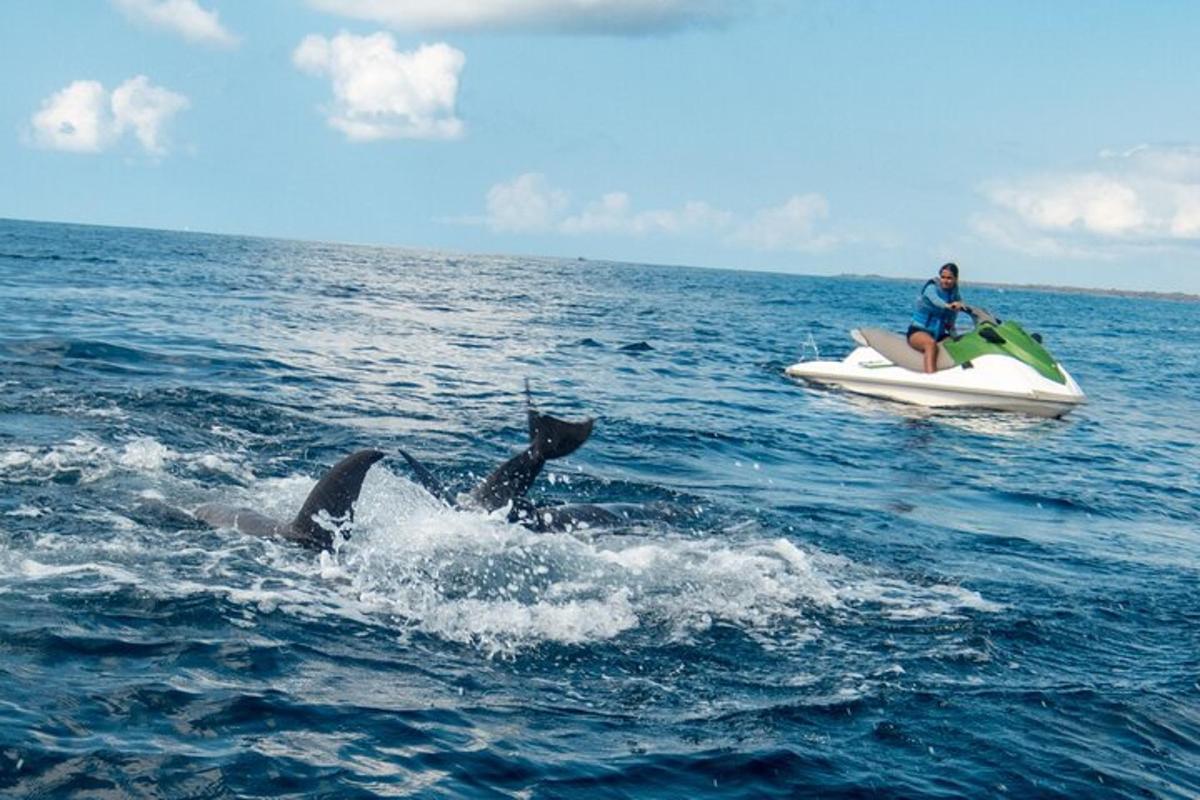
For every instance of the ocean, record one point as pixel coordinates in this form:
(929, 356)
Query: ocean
(850, 597)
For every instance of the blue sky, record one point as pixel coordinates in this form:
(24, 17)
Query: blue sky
(1030, 142)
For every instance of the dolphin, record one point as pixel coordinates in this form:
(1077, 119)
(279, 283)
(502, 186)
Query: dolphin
(549, 438)
(330, 501)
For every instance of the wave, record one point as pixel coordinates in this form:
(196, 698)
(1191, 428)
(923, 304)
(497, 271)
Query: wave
(58, 257)
(99, 357)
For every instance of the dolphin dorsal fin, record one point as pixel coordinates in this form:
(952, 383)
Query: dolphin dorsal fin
(427, 480)
(335, 494)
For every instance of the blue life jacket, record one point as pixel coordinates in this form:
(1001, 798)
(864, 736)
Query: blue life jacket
(932, 317)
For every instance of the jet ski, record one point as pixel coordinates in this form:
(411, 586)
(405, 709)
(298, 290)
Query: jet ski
(996, 366)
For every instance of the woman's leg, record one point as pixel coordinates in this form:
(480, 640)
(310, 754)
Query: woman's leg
(922, 341)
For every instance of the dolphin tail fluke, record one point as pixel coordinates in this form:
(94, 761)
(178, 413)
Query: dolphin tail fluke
(549, 438)
(335, 494)
(552, 438)
(427, 480)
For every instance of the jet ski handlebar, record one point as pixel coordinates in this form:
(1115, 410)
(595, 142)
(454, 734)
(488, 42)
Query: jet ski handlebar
(981, 315)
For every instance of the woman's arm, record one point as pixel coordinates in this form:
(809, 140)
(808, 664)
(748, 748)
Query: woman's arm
(930, 294)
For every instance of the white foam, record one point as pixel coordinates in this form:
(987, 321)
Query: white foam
(145, 453)
(27, 511)
(86, 456)
(223, 464)
(476, 579)
(36, 570)
(900, 600)
(414, 565)
(494, 623)
(94, 461)
(111, 412)
(14, 459)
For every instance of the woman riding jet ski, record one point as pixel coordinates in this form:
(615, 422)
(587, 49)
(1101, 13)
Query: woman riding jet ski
(938, 305)
(996, 366)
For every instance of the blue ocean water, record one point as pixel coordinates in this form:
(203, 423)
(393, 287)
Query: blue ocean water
(857, 598)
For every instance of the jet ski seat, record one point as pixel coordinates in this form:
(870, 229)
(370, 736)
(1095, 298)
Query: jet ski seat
(895, 348)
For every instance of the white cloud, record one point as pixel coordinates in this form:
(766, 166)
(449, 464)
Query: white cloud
(563, 16)
(381, 93)
(530, 204)
(183, 17)
(790, 226)
(85, 118)
(613, 214)
(1094, 203)
(75, 119)
(1172, 163)
(139, 106)
(1008, 231)
(1145, 197)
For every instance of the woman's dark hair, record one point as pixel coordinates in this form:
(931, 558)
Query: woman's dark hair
(950, 265)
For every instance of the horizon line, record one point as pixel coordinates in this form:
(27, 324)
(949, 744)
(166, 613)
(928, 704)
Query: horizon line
(1040, 287)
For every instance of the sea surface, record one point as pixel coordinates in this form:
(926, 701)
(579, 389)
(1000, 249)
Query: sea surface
(850, 597)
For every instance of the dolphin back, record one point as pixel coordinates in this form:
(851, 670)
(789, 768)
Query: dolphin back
(243, 520)
(335, 494)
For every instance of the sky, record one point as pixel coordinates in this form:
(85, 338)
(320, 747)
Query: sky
(1030, 142)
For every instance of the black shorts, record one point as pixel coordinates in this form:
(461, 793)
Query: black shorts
(914, 328)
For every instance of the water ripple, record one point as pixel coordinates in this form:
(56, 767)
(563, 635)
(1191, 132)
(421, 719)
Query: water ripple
(819, 594)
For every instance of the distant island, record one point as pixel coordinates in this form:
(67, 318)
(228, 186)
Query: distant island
(1044, 287)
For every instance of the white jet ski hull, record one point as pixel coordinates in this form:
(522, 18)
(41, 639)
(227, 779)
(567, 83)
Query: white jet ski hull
(993, 382)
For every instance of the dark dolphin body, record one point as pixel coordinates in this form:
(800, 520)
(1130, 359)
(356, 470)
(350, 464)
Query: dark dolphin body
(332, 499)
(549, 438)
(333, 496)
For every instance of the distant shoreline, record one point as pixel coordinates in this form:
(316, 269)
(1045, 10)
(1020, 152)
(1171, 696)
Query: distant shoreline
(1036, 287)
(1182, 297)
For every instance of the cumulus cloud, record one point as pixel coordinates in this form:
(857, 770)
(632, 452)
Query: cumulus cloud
(143, 108)
(1147, 196)
(74, 119)
(85, 118)
(791, 226)
(613, 213)
(530, 204)
(382, 93)
(617, 17)
(1093, 203)
(185, 18)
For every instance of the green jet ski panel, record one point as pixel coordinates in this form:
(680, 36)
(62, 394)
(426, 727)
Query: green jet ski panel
(1009, 339)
